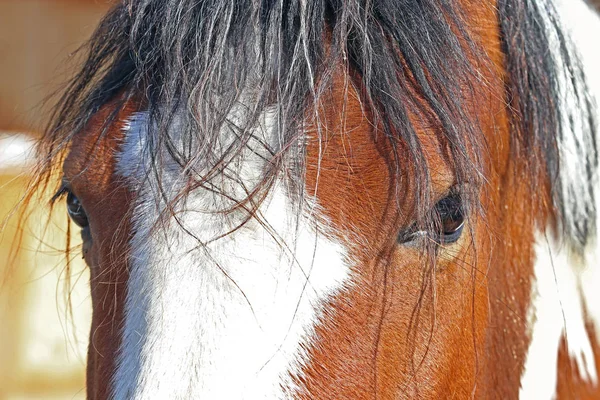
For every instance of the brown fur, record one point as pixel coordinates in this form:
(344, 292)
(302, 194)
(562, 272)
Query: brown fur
(570, 384)
(470, 336)
(90, 169)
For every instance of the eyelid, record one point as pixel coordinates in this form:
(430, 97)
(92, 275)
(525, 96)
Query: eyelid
(64, 188)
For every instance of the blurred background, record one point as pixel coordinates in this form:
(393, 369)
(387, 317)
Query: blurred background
(42, 354)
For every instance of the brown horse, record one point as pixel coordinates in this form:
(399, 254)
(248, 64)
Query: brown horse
(334, 200)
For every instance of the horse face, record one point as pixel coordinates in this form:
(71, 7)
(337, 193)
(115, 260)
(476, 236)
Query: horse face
(314, 286)
(288, 302)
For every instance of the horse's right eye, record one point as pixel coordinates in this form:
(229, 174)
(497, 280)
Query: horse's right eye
(76, 211)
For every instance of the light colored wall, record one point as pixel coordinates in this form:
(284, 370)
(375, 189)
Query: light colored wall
(36, 38)
(42, 348)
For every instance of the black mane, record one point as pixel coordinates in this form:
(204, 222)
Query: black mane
(199, 56)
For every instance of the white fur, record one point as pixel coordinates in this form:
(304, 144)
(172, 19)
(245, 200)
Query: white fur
(585, 28)
(228, 319)
(556, 310)
(566, 291)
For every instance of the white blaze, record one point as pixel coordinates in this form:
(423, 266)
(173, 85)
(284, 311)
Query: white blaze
(223, 320)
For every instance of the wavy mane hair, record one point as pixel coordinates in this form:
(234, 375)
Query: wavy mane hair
(198, 60)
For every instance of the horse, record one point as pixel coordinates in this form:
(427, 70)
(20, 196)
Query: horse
(333, 199)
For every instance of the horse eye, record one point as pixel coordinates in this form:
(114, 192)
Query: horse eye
(451, 217)
(450, 222)
(76, 211)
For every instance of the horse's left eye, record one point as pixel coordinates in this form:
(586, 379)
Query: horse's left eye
(76, 211)
(450, 222)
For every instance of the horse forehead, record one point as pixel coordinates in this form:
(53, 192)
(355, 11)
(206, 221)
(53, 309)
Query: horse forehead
(93, 149)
